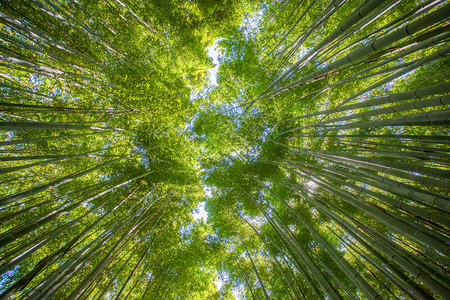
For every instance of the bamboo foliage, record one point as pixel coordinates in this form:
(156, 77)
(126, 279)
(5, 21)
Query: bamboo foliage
(73, 205)
(323, 149)
(402, 177)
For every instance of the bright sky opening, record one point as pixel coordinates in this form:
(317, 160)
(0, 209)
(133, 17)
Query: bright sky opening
(214, 55)
(200, 213)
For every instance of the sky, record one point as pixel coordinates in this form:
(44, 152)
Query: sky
(214, 55)
(200, 213)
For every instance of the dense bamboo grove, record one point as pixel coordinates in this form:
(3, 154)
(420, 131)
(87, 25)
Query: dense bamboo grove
(321, 155)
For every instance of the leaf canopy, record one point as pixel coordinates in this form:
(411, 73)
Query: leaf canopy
(319, 160)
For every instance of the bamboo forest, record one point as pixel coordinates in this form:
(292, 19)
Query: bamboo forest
(224, 149)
